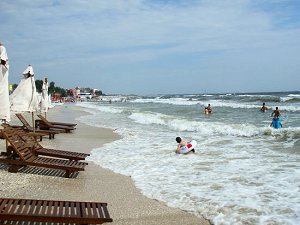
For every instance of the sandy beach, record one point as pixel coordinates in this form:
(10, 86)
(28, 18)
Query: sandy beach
(126, 204)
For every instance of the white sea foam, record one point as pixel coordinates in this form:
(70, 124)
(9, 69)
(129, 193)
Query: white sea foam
(215, 103)
(172, 101)
(240, 174)
(290, 97)
(99, 107)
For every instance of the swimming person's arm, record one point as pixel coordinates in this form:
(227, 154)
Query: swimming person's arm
(177, 150)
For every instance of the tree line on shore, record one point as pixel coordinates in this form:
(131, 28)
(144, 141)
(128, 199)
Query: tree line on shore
(52, 89)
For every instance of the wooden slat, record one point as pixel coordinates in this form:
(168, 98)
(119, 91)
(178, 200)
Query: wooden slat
(94, 210)
(99, 207)
(89, 209)
(50, 208)
(78, 209)
(44, 208)
(38, 207)
(8, 205)
(33, 207)
(72, 209)
(67, 213)
(55, 208)
(61, 208)
(3, 204)
(83, 209)
(106, 214)
(12, 207)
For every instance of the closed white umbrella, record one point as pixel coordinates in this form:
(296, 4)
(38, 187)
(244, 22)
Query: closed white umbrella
(24, 98)
(45, 97)
(4, 91)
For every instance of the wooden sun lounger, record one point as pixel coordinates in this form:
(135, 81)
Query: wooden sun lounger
(38, 149)
(46, 125)
(22, 156)
(30, 210)
(29, 128)
(42, 118)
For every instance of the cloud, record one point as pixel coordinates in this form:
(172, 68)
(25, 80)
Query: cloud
(102, 35)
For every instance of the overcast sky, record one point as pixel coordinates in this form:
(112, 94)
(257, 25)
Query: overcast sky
(155, 46)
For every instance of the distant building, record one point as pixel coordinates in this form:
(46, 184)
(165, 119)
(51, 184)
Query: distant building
(72, 92)
(84, 96)
(56, 97)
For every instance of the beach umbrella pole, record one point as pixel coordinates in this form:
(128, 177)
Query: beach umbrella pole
(33, 125)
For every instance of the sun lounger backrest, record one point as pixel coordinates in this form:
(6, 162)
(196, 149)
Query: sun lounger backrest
(45, 120)
(21, 148)
(23, 121)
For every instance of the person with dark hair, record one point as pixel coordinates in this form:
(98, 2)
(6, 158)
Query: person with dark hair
(276, 112)
(264, 107)
(276, 121)
(184, 147)
(208, 109)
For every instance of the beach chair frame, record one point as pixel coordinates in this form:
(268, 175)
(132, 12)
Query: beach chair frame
(38, 149)
(44, 124)
(23, 156)
(32, 210)
(29, 128)
(42, 118)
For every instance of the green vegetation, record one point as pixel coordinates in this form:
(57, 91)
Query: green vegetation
(57, 90)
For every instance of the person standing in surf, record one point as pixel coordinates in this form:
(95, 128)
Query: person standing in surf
(264, 107)
(276, 112)
(276, 123)
(208, 109)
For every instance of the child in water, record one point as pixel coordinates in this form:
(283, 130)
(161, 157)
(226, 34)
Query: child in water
(183, 146)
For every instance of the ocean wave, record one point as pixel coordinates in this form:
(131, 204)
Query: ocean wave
(148, 118)
(172, 101)
(102, 108)
(290, 98)
(210, 128)
(215, 103)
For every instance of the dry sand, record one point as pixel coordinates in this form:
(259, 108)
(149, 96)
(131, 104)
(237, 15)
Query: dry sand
(126, 204)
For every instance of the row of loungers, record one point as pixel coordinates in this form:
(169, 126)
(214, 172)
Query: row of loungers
(23, 150)
(45, 127)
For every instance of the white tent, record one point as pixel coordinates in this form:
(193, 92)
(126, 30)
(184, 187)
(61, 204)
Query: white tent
(24, 98)
(4, 92)
(45, 99)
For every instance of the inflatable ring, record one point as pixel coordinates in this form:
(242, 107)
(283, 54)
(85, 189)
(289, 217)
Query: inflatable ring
(190, 146)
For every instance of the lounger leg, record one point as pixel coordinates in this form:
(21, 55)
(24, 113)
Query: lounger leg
(14, 168)
(67, 175)
(10, 153)
(4, 153)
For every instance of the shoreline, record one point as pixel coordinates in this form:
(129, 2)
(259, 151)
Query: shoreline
(126, 204)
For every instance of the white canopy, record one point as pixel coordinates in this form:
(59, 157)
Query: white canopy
(4, 92)
(28, 71)
(24, 98)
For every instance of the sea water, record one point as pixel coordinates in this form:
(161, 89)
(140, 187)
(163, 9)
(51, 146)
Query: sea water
(243, 171)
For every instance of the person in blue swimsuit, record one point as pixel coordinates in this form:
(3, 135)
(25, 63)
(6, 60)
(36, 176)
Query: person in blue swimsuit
(276, 123)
